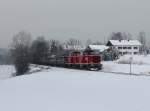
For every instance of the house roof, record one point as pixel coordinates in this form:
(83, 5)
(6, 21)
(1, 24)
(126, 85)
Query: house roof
(125, 42)
(75, 47)
(100, 48)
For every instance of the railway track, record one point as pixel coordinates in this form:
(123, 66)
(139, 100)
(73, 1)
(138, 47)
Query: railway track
(123, 73)
(119, 73)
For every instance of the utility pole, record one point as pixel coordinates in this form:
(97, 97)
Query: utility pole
(131, 58)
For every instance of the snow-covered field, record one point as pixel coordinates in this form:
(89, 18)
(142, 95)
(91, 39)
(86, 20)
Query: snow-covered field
(136, 59)
(60, 89)
(140, 65)
(125, 68)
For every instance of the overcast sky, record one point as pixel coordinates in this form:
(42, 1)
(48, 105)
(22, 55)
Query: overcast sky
(81, 19)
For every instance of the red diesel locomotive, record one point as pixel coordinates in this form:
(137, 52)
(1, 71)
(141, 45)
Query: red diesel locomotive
(86, 60)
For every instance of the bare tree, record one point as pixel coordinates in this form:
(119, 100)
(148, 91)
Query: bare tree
(120, 36)
(142, 39)
(39, 50)
(55, 47)
(89, 42)
(98, 43)
(22, 38)
(116, 36)
(73, 42)
(126, 36)
(20, 52)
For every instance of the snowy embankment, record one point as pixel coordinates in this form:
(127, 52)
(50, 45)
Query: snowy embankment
(140, 65)
(8, 71)
(59, 89)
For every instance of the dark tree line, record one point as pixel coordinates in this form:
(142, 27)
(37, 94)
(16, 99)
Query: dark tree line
(24, 50)
(55, 47)
(120, 36)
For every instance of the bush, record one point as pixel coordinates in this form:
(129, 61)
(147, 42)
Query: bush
(20, 52)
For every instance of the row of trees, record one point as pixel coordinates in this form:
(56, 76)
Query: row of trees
(24, 50)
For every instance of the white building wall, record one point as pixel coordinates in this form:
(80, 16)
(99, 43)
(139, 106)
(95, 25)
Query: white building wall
(128, 49)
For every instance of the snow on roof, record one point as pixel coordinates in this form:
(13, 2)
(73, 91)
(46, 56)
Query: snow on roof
(101, 48)
(125, 42)
(75, 47)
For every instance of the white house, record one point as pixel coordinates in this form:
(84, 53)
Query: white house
(125, 46)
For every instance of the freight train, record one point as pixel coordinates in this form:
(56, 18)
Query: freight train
(76, 59)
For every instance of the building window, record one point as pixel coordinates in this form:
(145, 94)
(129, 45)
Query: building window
(124, 53)
(120, 53)
(129, 53)
(129, 48)
(119, 47)
(135, 47)
(135, 52)
(124, 47)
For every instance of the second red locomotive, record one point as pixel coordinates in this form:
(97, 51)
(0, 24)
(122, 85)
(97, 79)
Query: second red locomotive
(86, 59)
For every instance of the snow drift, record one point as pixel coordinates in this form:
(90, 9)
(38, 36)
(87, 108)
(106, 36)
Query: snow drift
(137, 59)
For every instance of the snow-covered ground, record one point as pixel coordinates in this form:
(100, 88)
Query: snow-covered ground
(140, 65)
(136, 59)
(8, 71)
(125, 68)
(59, 89)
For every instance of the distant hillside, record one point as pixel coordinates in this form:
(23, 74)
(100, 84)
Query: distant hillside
(4, 56)
(3, 51)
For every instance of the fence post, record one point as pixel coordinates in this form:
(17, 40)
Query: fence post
(131, 58)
